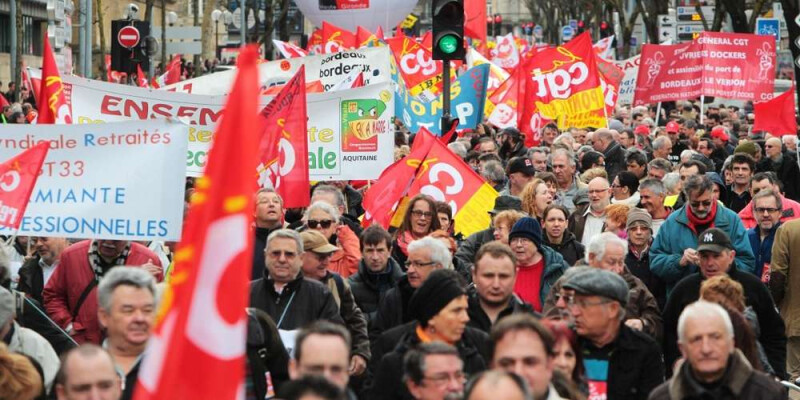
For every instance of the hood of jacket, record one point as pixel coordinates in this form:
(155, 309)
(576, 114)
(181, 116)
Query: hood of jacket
(393, 272)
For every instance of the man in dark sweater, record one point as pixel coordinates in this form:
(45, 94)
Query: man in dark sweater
(268, 218)
(717, 257)
(377, 272)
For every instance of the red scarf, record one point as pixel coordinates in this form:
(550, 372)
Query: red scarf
(694, 222)
(403, 240)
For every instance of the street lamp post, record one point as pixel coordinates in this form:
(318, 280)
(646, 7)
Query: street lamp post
(215, 16)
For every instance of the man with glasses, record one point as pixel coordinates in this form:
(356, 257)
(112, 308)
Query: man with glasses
(762, 181)
(620, 362)
(284, 294)
(588, 219)
(673, 256)
(716, 255)
(434, 371)
(563, 163)
(316, 258)
(767, 211)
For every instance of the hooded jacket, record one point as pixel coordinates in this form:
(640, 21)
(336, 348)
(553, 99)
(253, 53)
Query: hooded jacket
(369, 287)
(570, 248)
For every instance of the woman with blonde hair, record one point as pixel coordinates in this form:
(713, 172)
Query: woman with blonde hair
(503, 222)
(535, 198)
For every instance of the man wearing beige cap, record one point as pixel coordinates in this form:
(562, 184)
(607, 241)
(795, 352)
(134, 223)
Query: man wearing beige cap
(316, 257)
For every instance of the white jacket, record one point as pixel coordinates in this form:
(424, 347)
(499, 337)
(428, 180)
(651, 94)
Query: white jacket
(28, 342)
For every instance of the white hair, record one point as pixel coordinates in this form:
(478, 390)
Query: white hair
(324, 207)
(671, 181)
(440, 254)
(599, 245)
(458, 148)
(704, 310)
(119, 276)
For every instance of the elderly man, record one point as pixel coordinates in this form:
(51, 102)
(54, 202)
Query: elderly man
(716, 256)
(322, 349)
(538, 156)
(784, 284)
(588, 220)
(603, 141)
(434, 371)
(652, 194)
(762, 181)
(494, 276)
(127, 312)
(70, 296)
(269, 217)
(424, 256)
(284, 294)
(563, 163)
(88, 369)
(783, 164)
(712, 364)
(620, 362)
(346, 200)
(662, 148)
(673, 256)
(26, 341)
(538, 266)
(523, 346)
(767, 210)
(37, 270)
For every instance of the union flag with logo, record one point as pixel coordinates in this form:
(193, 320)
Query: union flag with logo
(17, 179)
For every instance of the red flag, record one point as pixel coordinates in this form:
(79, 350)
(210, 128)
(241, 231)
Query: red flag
(172, 74)
(141, 78)
(314, 45)
(336, 39)
(283, 152)
(379, 33)
(53, 107)
(381, 199)
(776, 116)
(365, 38)
(289, 50)
(19, 176)
(198, 348)
(3, 101)
(475, 26)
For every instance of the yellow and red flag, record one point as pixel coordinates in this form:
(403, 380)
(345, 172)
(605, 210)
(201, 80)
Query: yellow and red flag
(53, 106)
(420, 72)
(198, 347)
(283, 153)
(19, 176)
(365, 38)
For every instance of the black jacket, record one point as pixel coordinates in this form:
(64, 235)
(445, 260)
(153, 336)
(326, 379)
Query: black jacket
(259, 246)
(386, 382)
(635, 366)
(640, 268)
(353, 317)
(310, 301)
(786, 172)
(353, 199)
(392, 309)
(266, 353)
(570, 248)
(467, 250)
(31, 280)
(615, 160)
(773, 330)
(368, 288)
(479, 320)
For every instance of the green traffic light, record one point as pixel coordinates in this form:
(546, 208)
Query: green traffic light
(448, 44)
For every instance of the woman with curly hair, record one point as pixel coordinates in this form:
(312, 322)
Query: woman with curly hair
(535, 198)
(616, 219)
(503, 222)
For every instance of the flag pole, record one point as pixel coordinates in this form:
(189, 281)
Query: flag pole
(658, 113)
(702, 105)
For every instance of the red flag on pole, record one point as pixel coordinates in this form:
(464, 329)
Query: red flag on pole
(336, 39)
(3, 101)
(141, 78)
(776, 116)
(53, 107)
(475, 26)
(171, 75)
(19, 176)
(198, 348)
(283, 152)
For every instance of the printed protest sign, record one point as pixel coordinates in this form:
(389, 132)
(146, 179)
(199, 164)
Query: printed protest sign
(114, 181)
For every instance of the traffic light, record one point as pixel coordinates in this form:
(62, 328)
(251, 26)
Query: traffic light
(448, 30)
(581, 26)
(605, 29)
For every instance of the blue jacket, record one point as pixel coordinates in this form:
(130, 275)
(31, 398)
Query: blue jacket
(675, 236)
(762, 250)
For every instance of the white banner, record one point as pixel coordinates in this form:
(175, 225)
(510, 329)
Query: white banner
(114, 181)
(339, 148)
(628, 84)
(329, 69)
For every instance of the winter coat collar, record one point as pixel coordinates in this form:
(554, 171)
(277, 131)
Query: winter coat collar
(738, 372)
(393, 273)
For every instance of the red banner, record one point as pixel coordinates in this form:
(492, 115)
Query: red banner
(726, 65)
(284, 147)
(314, 45)
(776, 116)
(17, 179)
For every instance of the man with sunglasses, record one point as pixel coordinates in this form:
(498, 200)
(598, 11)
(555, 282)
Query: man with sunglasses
(316, 258)
(673, 255)
(291, 300)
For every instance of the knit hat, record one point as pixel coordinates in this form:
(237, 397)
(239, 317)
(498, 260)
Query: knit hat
(599, 282)
(747, 148)
(615, 124)
(441, 287)
(639, 215)
(527, 228)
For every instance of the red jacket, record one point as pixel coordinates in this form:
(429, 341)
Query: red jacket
(791, 210)
(69, 280)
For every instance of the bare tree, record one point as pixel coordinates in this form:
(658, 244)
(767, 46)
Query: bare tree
(208, 40)
(17, 78)
(98, 6)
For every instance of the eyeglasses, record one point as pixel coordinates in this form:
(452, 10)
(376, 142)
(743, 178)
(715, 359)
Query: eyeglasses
(568, 298)
(290, 255)
(443, 378)
(696, 204)
(417, 264)
(322, 256)
(313, 224)
(762, 210)
(584, 304)
(422, 214)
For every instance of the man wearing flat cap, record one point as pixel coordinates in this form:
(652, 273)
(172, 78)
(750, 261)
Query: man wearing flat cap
(620, 362)
(717, 254)
(467, 250)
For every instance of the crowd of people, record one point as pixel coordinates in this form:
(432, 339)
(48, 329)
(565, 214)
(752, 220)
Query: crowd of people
(636, 261)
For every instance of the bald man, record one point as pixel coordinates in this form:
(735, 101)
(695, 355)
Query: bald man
(783, 164)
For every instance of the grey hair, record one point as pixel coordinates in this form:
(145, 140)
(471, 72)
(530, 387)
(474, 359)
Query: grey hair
(768, 193)
(324, 207)
(788, 138)
(127, 276)
(493, 171)
(332, 190)
(653, 185)
(562, 152)
(440, 254)
(726, 165)
(599, 243)
(671, 181)
(660, 142)
(703, 309)
(458, 149)
(697, 183)
(660, 163)
(540, 149)
(7, 306)
(565, 137)
(688, 153)
(285, 234)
